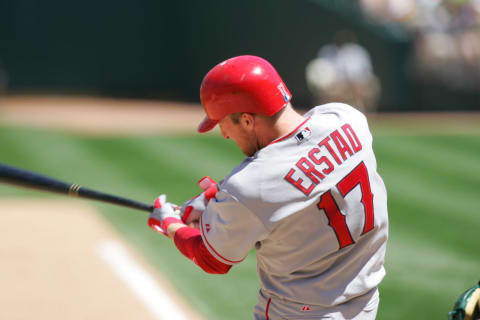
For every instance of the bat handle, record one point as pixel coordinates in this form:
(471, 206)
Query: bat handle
(82, 192)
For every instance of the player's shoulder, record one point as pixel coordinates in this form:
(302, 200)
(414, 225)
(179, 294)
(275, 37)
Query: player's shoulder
(341, 110)
(244, 181)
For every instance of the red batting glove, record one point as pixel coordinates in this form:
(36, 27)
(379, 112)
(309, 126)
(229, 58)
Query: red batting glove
(193, 208)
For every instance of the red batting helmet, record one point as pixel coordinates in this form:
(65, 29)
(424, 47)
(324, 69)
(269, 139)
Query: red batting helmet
(241, 84)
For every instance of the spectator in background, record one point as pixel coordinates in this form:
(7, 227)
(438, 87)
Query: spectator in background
(446, 35)
(342, 72)
(388, 10)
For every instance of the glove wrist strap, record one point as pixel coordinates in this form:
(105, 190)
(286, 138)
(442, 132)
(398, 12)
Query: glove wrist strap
(168, 221)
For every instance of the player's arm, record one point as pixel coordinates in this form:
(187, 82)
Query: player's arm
(166, 220)
(189, 242)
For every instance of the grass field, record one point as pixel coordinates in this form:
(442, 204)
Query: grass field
(433, 183)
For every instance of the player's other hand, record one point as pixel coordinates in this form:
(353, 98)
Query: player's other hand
(192, 209)
(163, 214)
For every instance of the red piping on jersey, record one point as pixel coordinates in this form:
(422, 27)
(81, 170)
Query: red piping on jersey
(292, 132)
(190, 243)
(268, 307)
(211, 247)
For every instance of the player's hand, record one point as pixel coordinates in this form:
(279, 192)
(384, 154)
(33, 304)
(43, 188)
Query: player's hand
(192, 209)
(163, 214)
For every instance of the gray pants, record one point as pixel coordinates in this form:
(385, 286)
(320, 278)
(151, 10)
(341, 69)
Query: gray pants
(361, 308)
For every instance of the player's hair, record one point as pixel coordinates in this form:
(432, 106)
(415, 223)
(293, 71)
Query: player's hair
(236, 117)
(272, 119)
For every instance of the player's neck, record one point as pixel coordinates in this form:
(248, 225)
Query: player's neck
(288, 121)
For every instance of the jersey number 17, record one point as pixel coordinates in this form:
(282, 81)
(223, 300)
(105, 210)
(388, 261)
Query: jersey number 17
(336, 220)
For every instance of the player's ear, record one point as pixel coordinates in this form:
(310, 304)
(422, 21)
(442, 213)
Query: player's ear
(247, 120)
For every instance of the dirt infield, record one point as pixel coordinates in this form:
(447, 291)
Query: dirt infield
(445, 123)
(104, 116)
(100, 115)
(51, 266)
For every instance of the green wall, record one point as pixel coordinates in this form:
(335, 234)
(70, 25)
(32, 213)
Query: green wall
(162, 49)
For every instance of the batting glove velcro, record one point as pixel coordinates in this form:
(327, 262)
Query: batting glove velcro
(163, 214)
(192, 209)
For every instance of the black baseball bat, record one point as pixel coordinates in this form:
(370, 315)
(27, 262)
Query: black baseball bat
(29, 179)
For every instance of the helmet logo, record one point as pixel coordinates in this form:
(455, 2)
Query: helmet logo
(286, 96)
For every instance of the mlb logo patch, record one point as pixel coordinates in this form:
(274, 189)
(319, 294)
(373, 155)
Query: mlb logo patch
(286, 96)
(207, 227)
(303, 135)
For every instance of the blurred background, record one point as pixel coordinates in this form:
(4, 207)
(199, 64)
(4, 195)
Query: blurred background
(121, 66)
(389, 55)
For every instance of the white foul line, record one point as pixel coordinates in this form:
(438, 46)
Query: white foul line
(139, 281)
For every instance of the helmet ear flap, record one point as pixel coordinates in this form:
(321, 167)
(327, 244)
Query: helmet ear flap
(241, 84)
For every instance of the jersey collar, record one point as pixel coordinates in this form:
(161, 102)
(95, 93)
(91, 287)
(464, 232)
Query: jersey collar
(288, 135)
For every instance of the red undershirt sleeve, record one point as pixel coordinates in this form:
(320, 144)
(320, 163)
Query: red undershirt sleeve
(189, 241)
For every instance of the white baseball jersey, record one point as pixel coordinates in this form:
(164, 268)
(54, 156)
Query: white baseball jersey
(312, 205)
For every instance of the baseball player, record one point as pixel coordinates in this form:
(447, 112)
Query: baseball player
(307, 198)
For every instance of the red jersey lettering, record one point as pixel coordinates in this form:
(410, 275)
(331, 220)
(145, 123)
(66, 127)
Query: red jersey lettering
(322, 160)
(341, 144)
(298, 183)
(326, 144)
(352, 137)
(309, 169)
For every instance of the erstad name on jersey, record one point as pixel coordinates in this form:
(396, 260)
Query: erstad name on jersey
(321, 160)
